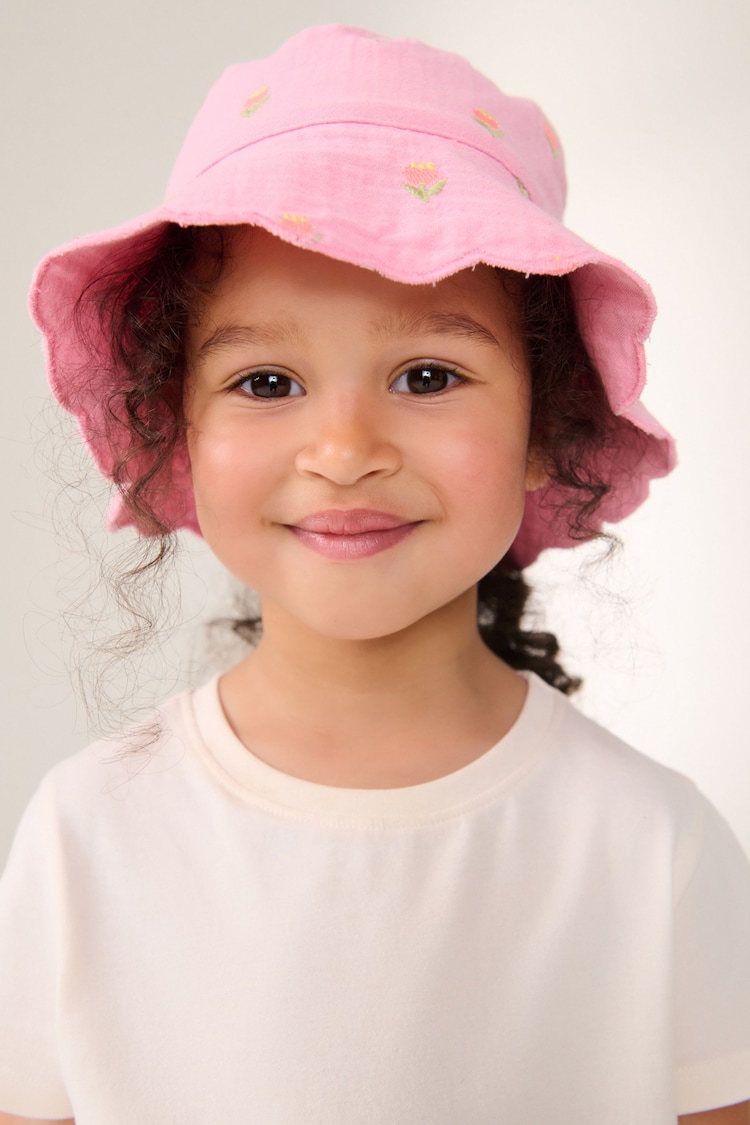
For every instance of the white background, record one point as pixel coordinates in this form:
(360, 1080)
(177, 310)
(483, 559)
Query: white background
(651, 100)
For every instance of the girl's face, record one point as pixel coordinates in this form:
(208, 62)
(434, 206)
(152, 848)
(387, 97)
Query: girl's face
(316, 387)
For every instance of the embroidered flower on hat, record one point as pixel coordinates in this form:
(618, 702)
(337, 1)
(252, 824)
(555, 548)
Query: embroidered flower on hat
(488, 121)
(423, 180)
(299, 226)
(551, 136)
(255, 101)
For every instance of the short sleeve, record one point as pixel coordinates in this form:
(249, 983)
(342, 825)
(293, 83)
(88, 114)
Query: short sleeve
(712, 972)
(31, 1083)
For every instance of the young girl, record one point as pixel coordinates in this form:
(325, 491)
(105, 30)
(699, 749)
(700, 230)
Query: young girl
(382, 872)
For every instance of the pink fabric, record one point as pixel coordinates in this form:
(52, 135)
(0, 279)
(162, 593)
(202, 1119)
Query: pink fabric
(396, 157)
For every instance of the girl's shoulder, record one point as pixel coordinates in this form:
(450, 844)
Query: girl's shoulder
(123, 770)
(584, 748)
(617, 792)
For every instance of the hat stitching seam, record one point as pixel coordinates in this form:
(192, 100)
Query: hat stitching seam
(376, 124)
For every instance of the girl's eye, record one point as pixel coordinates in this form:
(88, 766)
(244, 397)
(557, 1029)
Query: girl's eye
(269, 384)
(425, 379)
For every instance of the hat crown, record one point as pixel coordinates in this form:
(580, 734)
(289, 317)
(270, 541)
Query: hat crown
(331, 74)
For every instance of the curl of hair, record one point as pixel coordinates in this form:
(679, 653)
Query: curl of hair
(143, 304)
(145, 309)
(571, 421)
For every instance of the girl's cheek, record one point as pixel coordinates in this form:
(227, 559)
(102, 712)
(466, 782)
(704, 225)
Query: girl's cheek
(219, 442)
(216, 462)
(487, 455)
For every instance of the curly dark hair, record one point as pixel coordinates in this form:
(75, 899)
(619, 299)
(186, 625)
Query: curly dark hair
(145, 307)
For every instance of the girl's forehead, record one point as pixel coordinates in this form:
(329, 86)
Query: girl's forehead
(264, 273)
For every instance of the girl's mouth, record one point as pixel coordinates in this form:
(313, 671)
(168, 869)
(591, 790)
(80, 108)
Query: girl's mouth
(353, 534)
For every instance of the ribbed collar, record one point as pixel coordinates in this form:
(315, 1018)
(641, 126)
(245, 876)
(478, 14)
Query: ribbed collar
(500, 768)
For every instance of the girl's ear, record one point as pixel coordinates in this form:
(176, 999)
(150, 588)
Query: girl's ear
(536, 472)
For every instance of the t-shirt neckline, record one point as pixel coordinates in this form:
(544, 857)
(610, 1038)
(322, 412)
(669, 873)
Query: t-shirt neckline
(494, 772)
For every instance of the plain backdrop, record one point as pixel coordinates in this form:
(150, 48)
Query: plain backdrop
(651, 100)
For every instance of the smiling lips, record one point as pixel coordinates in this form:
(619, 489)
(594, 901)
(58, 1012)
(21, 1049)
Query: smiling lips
(353, 534)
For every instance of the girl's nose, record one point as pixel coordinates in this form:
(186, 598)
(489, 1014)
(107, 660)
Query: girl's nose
(348, 441)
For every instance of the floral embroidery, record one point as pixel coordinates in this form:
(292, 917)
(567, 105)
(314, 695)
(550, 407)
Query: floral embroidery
(551, 136)
(255, 101)
(522, 188)
(423, 180)
(299, 226)
(488, 121)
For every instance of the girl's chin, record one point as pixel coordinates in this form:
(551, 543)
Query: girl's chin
(367, 618)
(357, 630)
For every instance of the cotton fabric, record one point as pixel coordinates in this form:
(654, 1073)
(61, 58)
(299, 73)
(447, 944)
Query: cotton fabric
(559, 931)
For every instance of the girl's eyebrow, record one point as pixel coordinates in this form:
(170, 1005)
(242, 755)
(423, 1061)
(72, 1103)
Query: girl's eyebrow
(459, 325)
(436, 324)
(239, 335)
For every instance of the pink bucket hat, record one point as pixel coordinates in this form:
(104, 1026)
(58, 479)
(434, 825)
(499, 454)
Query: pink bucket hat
(395, 157)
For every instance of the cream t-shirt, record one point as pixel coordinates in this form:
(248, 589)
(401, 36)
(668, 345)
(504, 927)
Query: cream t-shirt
(557, 932)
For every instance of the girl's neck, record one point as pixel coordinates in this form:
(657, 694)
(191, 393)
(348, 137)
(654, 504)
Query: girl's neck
(379, 713)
